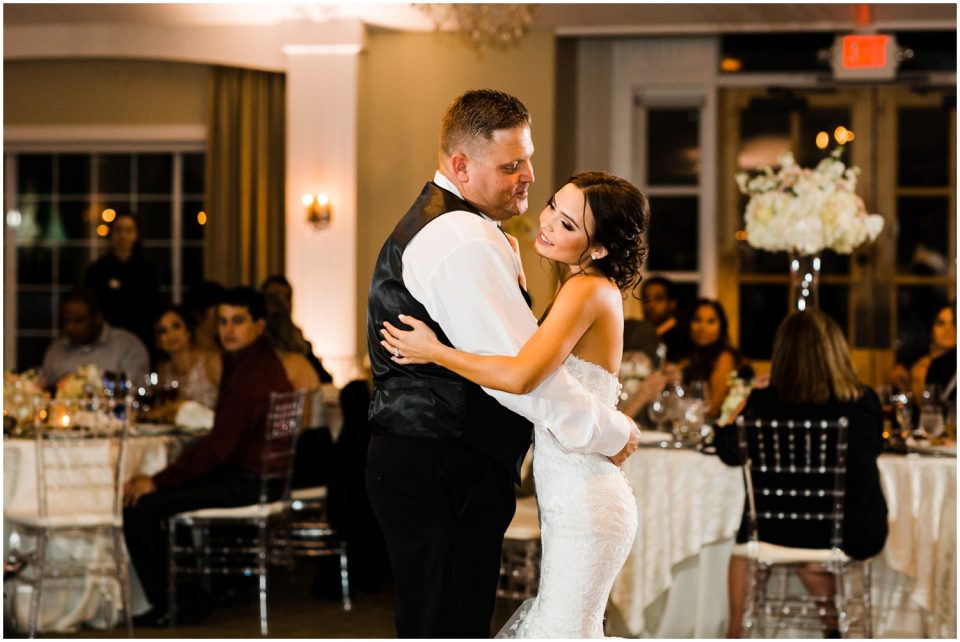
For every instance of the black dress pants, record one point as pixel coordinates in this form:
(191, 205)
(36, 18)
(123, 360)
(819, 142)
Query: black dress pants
(443, 509)
(145, 524)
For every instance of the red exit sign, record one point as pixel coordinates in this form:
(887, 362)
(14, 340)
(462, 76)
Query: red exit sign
(864, 52)
(864, 57)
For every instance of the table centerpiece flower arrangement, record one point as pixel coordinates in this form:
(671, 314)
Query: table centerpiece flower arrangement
(85, 382)
(19, 393)
(806, 211)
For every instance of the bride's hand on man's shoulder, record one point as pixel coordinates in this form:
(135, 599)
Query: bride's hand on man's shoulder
(408, 347)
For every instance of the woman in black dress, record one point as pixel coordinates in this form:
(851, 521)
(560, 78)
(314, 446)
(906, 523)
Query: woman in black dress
(812, 377)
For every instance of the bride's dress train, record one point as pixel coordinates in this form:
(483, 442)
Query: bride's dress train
(588, 521)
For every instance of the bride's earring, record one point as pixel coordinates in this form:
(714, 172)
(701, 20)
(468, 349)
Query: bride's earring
(595, 256)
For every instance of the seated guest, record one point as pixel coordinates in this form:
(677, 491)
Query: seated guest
(221, 469)
(660, 308)
(711, 357)
(188, 366)
(88, 339)
(812, 377)
(943, 338)
(943, 373)
(202, 301)
(292, 339)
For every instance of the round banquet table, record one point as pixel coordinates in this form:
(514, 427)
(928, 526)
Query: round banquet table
(674, 583)
(70, 603)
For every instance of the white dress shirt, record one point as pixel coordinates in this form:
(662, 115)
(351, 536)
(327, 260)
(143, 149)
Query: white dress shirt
(461, 268)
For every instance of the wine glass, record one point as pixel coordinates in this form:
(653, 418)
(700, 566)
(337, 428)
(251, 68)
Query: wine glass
(930, 423)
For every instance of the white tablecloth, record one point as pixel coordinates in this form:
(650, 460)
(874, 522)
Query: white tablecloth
(674, 583)
(67, 604)
(688, 503)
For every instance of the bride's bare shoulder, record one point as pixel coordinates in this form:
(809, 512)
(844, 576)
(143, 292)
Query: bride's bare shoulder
(589, 287)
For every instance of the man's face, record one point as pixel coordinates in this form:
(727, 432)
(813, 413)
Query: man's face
(498, 174)
(236, 327)
(81, 325)
(657, 308)
(123, 235)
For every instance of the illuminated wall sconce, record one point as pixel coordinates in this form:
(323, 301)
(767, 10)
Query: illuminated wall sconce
(319, 211)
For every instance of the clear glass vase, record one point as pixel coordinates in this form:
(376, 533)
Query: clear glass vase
(804, 281)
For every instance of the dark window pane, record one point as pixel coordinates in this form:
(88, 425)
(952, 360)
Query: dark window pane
(916, 308)
(835, 301)
(673, 233)
(114, 173)
(35, 310)
(193, 176)
(160, 257)
(73, 265)
(155, 220)
(75, 219)
(34, 173)
(764, 306)
(34, 264)
(814, 121)
(754, 261)
(74, 174)
(923, 154)
(30, 351)
(192, 265)
(923, 229)
(673, 149)
(154, 173)
(192, 229)
(764, 135)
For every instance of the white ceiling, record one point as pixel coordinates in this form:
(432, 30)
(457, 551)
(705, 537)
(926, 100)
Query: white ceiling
(566, 18)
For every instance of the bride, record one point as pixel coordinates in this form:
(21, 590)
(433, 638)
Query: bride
(592, 230)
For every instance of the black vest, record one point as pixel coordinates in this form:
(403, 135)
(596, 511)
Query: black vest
(427, 401)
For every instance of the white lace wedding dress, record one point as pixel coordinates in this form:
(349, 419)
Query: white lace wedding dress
(588, 520)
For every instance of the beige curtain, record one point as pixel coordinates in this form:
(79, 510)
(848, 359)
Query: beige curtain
(245, 176)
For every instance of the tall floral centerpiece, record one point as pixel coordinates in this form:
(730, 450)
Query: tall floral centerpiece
(805, 211)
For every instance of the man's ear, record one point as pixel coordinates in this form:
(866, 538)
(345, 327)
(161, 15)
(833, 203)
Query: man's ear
(459, 163)
(261, 325)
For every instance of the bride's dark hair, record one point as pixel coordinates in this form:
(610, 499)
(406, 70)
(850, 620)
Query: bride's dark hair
(620, 213)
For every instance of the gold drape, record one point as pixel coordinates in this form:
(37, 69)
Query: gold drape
(245, 176)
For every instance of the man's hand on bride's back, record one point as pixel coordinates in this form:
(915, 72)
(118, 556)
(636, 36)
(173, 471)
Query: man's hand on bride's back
(407, 347)
(631, 446)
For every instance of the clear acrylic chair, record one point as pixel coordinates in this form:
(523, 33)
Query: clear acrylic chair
(80, 454)
(794, 472)
(205, 554)
(310, 534)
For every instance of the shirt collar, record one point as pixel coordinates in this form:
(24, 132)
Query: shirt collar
(445, 183)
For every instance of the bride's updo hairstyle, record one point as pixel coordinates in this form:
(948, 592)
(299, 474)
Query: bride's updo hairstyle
(620, 214)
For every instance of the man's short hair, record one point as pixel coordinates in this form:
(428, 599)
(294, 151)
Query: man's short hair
(663, 282)
(476, 115)
(277, 279)
(82, 295)
(246, 297)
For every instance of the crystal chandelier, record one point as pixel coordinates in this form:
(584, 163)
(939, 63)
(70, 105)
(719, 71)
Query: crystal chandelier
(484, 24)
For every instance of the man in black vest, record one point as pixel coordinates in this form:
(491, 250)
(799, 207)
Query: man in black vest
(445, 452)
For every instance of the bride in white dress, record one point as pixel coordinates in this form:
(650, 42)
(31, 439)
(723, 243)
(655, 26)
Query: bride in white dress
(592, 230)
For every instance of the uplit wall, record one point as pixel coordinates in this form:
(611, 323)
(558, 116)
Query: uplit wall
(406, 81)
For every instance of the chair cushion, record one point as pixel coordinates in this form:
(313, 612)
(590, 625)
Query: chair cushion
(251, 511)
(306, 494)
(774, 554)
(64, 520)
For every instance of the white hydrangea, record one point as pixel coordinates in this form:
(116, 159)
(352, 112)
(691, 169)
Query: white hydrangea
(807, 211)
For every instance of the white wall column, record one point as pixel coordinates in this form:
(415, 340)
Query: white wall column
(322, 103)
